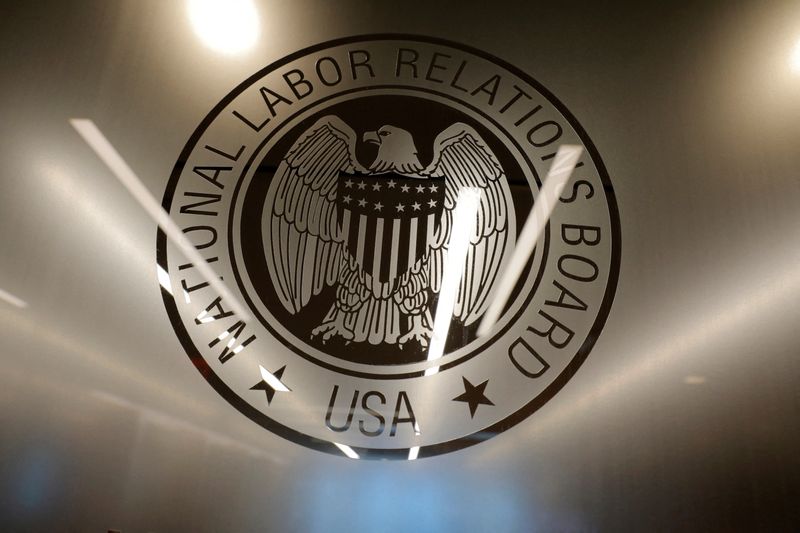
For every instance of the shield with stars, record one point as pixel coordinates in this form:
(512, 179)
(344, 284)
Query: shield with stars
(388, 221)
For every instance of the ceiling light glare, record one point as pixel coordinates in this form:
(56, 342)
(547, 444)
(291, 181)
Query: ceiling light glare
(794, 59)
(226, 26)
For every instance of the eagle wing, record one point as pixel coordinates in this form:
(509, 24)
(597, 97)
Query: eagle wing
(302, 238)
(465, 160)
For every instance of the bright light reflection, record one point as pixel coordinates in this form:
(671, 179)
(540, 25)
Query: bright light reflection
(413, 453)
(462, 228)
(163, 279)
(226, 26)
(106, 152)
(270, 378)
(13, 300)
(563, 165)
(694, 380)
(347, 450)
(794, 59)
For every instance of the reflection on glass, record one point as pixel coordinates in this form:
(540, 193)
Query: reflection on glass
(413, 453)
(226, 26)
(13, 300)
(109, 155)
(694, 380)
(464, 216)
(794, 59)
(271, 379)
(347, 450)
(163, 279)
(560, 171)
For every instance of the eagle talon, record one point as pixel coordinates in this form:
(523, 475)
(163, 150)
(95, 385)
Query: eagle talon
(419, 332)
(331, 329)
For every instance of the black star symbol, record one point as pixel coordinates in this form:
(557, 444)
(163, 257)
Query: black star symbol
(401, 207)
(474, 396)
(347, 199)
(404, 188)
(433, 188)
(266, 387)
(362, 185)
(378, 206)
(392, 183)
(432, 203)
(415, 205)
(362, 203)
(348, 183)
(420, 188)
(376, 186)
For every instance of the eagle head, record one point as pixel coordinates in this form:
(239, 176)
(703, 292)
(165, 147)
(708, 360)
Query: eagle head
(396, 150)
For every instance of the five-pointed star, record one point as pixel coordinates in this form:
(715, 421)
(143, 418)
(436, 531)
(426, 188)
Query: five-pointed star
(266, 387)
(473, 395)
(362, 203)
(376, 186)
(420, 188)
(346, 199)
(391, 184)
(348, 183)
(404, 188)
(400, 207)
(362, 185)
(415, 205)
(432, 203)
(433, 188)
(378, 206)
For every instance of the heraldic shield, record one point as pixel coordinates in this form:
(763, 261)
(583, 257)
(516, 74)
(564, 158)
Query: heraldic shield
(388, 221)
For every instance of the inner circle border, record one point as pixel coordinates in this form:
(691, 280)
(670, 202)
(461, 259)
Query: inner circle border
(432, 449)
(388, 375)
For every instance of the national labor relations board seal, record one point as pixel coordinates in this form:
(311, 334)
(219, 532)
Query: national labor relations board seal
(325, 190)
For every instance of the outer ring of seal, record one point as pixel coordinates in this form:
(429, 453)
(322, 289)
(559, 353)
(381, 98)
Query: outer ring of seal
(394, 453)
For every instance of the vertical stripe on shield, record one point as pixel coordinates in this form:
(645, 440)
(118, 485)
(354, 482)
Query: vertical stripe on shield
(391, 264)
(422, 233)
(369, 245)
(401, 245)
(430, 233)
(345, 227)
(378, 249)
(412, 242)
(362, 230)
(352, 230)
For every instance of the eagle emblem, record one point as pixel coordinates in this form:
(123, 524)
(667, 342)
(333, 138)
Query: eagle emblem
(379, 234)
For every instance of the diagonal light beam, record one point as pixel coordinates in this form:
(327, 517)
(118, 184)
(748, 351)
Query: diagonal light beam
(97, 141)
(13, 300)
(560, 171)
(272, 380)
(463, 226)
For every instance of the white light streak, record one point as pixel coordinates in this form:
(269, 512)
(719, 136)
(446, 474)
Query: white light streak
(694, 380)
(270, 378)
(794, 58)
(560, 172)
(226, 26)
(163, 279)
(95, 139)
(13, 300)
(347, 450)
(413, 453)
(462, 229)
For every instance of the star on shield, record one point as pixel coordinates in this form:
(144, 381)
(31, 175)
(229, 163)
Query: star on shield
(473, 395)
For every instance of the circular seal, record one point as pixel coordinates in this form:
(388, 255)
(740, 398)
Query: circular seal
(365, 200)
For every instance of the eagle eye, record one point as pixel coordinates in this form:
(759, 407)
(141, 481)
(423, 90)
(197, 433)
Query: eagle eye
(383, 133)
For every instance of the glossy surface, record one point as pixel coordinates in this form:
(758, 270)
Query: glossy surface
(684, 416)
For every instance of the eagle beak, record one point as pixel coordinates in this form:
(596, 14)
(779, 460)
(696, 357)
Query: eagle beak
(371, 137)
